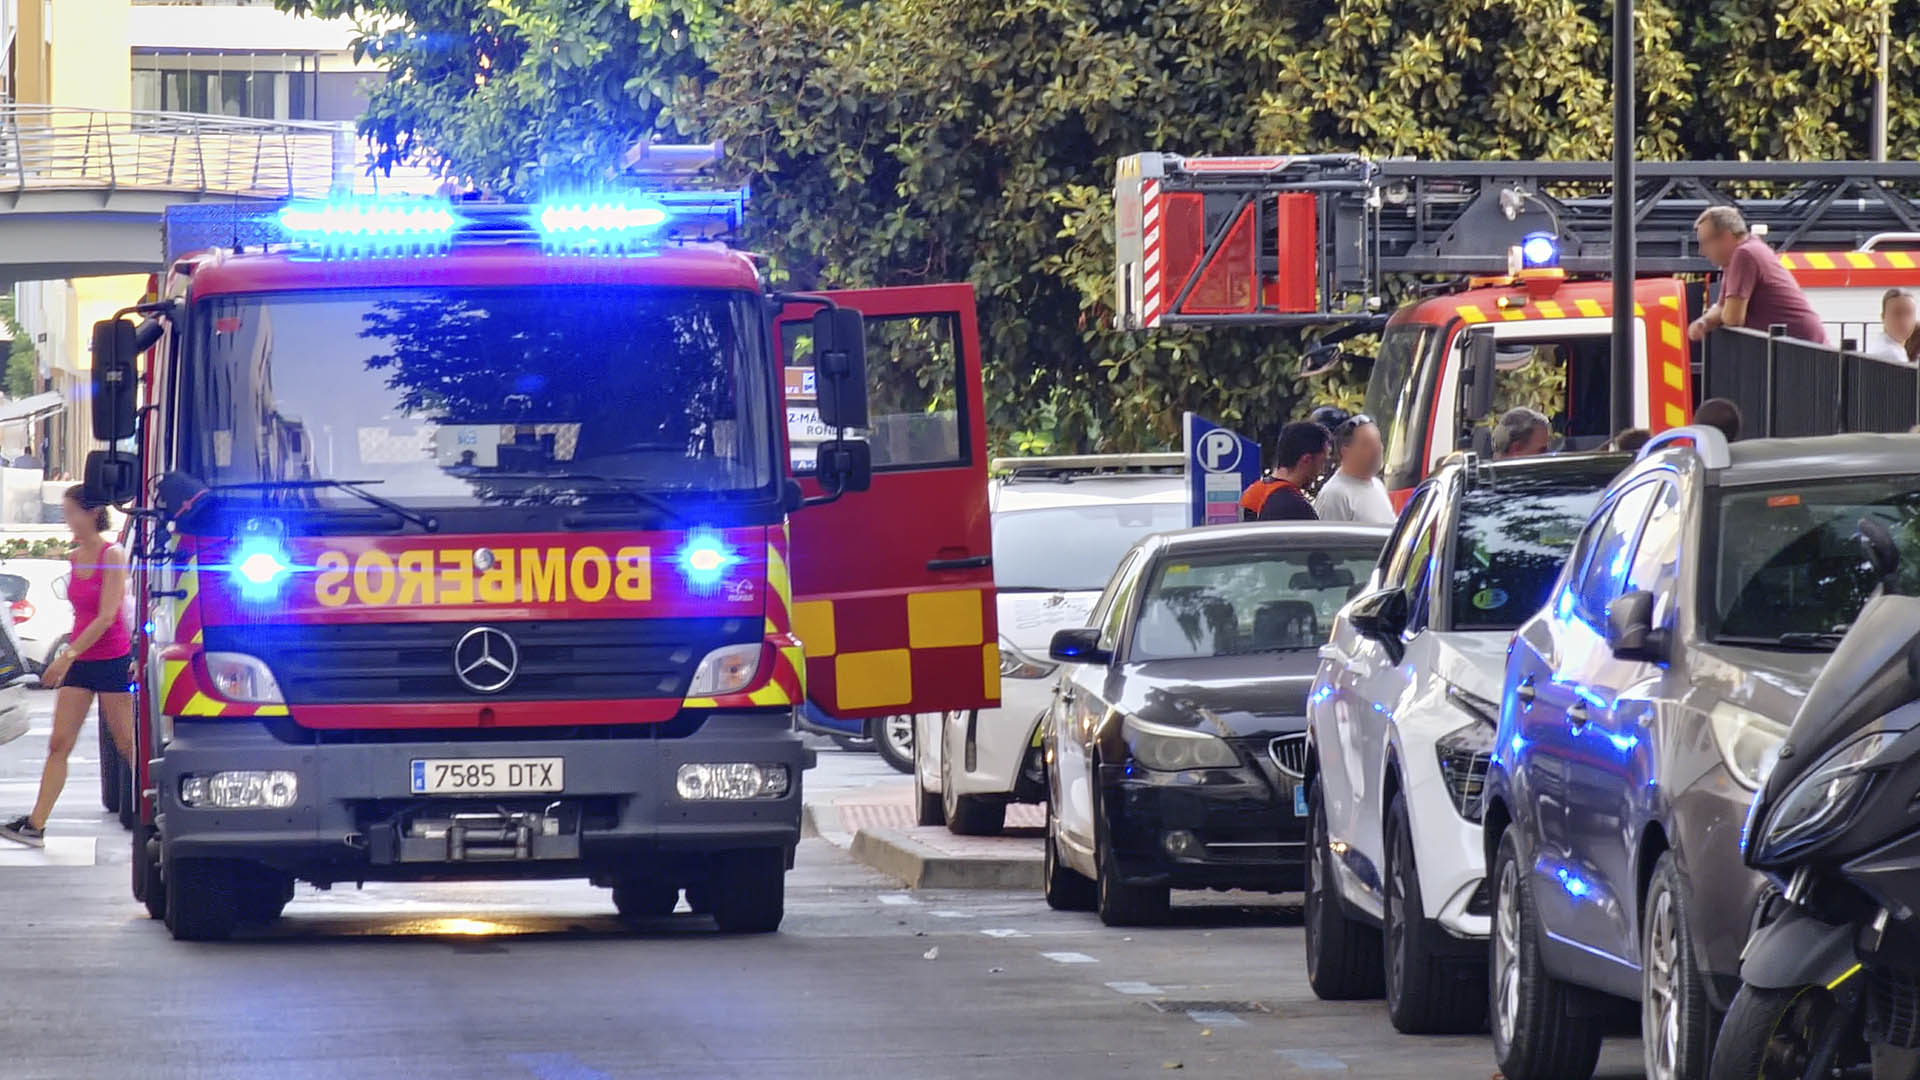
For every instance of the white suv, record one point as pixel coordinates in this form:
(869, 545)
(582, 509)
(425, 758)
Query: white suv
(1060, 526)
(1401, 721)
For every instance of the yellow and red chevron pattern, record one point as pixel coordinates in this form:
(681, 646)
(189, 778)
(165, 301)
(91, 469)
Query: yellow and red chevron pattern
(182, 692)
(1840, 269)
(787, 684)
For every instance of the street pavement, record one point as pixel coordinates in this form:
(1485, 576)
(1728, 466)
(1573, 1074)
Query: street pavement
(538, 981)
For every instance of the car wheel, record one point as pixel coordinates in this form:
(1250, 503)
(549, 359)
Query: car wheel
(968, 815)
(110, 771)
(927, 807)
(1343, 954)
(1676, 1021)
(893, 738)
(644, 898)
(203, 898)
(749, 888)
(1534, 1037)
(1065, 889)
(1774, 1034)
(1119, 903)
(1426, 994)
(853, 744)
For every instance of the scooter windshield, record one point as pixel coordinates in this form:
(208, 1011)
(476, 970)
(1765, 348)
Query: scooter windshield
(1867, 677)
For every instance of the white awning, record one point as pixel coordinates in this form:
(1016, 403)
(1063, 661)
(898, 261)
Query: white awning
(32, 408)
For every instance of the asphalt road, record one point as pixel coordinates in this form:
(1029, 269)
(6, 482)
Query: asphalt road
(539, 982)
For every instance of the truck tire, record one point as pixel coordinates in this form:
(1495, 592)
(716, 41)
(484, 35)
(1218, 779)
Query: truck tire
(203, 899)
(1426, 994)
(644, 898)
(148, 886)
(109, 771)
(264, 894)
(748, 892)
(1343, 955)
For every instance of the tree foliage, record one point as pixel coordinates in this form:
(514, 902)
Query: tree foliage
(903, 141)
(22, 377)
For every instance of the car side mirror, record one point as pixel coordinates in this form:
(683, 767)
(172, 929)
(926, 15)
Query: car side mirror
(840, 367)
(1079, 645)
(1381, 615)
(1630, 630)
(115, 380)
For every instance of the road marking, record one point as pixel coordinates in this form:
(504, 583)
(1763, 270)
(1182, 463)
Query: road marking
(897, 899)
(953, 915)
(60, 851)
(1134, 988)
(1006, 933)
(558, 1067)
(1313, 1061)
(1215, 1019)
(1069, 958)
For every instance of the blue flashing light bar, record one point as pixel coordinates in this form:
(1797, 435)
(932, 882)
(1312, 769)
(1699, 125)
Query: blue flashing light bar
(1539, 250)
(371, 225)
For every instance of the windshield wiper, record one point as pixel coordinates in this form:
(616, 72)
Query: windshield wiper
(1798, 639)
(352, 487)
(612, 485)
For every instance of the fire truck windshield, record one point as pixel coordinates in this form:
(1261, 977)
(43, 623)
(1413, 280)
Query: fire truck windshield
(1398, 397)
(466, 397)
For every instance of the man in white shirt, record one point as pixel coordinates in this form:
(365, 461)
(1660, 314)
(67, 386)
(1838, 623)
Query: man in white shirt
(1354, 491)
(1893, 339)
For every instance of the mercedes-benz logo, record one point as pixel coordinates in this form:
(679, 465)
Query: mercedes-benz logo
(485, 659)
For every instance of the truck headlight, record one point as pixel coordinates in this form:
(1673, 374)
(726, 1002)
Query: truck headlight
(1747, 742)
(243, 678)
(725, 670)
(243, 789)
(731, 780)
(1172, 749)
(1824, 799)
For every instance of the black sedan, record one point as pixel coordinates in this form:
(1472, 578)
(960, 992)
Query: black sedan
(1177, 736)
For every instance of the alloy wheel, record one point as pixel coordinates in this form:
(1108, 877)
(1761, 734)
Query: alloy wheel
(1506, 954)
(898, 731)
(1397, 915)
(1660, 1020)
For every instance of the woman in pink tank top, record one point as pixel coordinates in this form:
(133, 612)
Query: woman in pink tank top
(97, 662)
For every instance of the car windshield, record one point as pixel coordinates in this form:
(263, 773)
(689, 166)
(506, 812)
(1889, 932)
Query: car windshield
(1790, 569)
(1223, 603)
(1072, 548)
(453, 396)
(1513, 537)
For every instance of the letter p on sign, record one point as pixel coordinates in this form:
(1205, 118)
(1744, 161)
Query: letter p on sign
(1219, 451)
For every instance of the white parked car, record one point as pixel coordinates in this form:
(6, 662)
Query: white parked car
(13, 685)
(36, 592)
(1401, 722)
(1060, 526)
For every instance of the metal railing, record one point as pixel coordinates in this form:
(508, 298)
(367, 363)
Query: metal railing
(44, 148)
(1786, 387)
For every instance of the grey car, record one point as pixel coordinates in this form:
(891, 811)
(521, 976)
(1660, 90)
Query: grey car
(1641, 709)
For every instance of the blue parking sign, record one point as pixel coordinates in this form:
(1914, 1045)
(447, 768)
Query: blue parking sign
(1220, 465)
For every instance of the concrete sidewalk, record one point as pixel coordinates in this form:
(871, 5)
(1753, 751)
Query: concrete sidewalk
(875, 823)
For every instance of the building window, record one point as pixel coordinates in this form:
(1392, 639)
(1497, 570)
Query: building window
(260, 86)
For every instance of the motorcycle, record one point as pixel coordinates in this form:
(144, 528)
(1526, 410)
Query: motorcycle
(1830, 986)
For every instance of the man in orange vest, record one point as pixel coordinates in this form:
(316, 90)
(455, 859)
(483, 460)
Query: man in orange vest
(1299, 455)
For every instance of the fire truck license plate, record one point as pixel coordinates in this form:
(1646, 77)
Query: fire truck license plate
(487, 776)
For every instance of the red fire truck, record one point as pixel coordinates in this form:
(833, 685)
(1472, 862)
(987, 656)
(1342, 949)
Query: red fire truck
(472, 544)
(1520, 251)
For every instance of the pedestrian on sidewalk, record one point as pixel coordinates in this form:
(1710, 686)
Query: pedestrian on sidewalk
(97, 662)
(1755, 291)
(1301, 453)
(1354, 492)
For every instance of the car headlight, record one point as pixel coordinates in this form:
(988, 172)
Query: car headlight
(243, 678)
(1173, 749)
(1824, 799)
(726, 670)
(1015, 664)
(1748, 742)
(245, 789)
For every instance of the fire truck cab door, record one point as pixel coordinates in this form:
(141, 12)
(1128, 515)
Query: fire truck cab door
(893, 586)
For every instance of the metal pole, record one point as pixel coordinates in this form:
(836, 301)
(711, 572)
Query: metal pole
(1625, 356)
(1879, 134)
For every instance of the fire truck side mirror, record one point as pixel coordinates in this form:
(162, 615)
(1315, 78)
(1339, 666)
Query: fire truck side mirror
(111, 478)
(115, 380)
(840, 367)
(1478, 376)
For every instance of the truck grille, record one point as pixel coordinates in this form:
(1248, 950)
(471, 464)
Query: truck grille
(558, 659)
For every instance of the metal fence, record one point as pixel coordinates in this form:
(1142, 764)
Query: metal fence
(49, 148)
(1786, 387)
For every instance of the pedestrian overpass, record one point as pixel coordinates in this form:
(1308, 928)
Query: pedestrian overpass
(82, 190)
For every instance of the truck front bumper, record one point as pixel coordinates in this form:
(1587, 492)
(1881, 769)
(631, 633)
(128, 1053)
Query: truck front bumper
(356, 818)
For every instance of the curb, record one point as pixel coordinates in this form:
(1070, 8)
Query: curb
(921, 867)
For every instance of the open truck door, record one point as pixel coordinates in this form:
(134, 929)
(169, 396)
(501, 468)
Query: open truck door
(893, 586)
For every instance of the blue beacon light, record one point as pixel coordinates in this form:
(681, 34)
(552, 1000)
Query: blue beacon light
(704, 558)
(1539, 250)
(262, 566)
(370, 223)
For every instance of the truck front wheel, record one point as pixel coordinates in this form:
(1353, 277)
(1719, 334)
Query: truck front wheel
(747, 894)
(203, 899)
(148, 888)
(644, 898)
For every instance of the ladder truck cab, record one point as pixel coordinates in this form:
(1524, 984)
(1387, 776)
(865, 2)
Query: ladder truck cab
(481, 541)
(1504, 264)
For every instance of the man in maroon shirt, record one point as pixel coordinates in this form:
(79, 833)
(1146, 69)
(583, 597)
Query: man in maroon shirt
(1755, 290)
